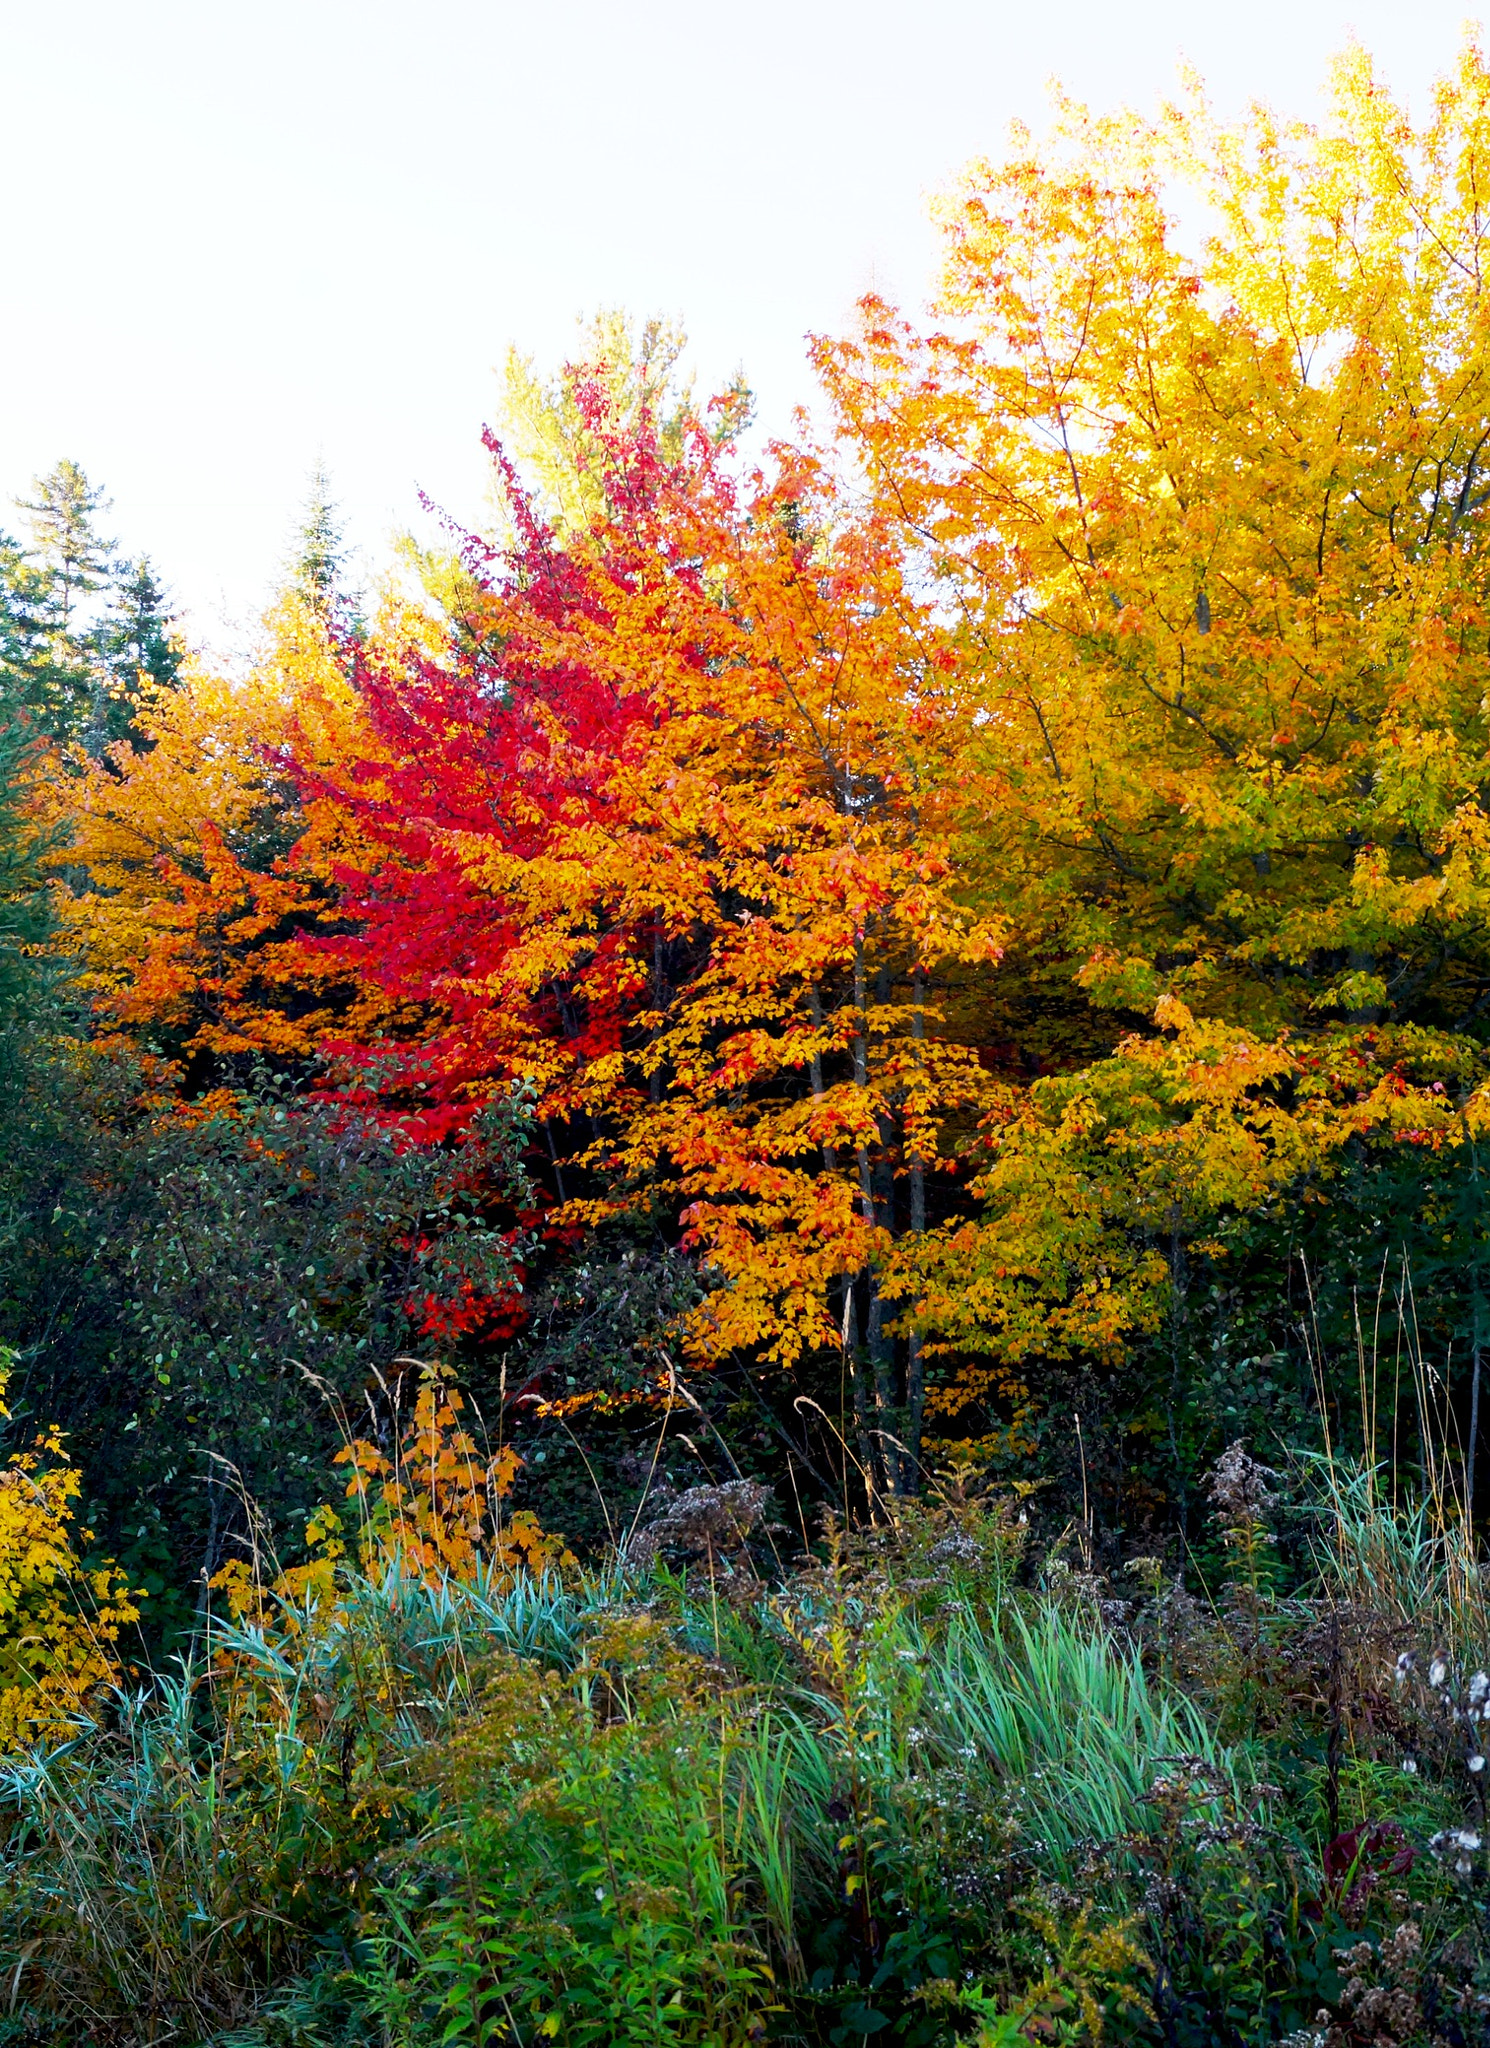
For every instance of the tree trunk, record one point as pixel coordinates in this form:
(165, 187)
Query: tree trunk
(815, 1070)
(915, 1367)
(858, 1392)
(883, 1463)
(656, 1075)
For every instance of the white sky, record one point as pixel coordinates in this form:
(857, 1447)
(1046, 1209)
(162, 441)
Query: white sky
(241, 236)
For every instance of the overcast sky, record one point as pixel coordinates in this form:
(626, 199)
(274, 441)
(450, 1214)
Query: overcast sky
(239, 237)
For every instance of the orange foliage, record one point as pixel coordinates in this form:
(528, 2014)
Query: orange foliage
(436, 1506)
(195, 878)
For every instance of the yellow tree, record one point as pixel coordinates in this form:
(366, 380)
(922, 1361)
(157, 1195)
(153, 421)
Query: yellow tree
(1209, 512)
(60, 1615)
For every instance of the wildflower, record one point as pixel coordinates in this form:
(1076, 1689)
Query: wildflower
(1465, 1840)
(1477, 1763)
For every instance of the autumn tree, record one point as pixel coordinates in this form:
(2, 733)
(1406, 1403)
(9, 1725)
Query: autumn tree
(549, 425)
(1211, 524)
(667, 839)
(195, 876)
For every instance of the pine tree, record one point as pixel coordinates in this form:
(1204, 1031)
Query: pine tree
(24, 911)
(63, 683)
(67, 542)
(34, 690)
(134, 639)
(320, 549)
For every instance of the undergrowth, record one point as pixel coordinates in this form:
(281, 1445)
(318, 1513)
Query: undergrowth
(926, 1786)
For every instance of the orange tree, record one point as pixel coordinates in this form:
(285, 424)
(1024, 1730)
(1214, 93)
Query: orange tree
(193, 878)
(666, 830)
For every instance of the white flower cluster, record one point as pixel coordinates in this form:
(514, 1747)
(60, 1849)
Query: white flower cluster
(1475, 1707)
(1462, 1841)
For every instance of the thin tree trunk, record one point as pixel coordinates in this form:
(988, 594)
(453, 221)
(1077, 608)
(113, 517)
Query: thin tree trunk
(1177, 1308)
(815, 1070)
(553, 1158)
(884, 1388)
(915, 1365)
(859, 1394)
(853, 1372)
(656, 1076)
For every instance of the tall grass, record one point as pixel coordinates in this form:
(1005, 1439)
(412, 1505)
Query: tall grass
(465, 1809)
(1075, 1721)
(1413, 1562)
(162, 1869)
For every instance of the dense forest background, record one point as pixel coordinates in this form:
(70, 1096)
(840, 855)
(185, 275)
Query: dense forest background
(912, 1010)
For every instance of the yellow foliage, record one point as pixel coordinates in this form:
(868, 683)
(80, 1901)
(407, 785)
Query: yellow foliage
(1086, 1968)
(1212, 512)
(60, 1617)
(435, 1508)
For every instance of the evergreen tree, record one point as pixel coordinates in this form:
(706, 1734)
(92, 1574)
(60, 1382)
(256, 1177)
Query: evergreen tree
(62, 682)
(75, 674)
(134, 638)
(34, 689)
(320, 549)
(24, 909)
(67, 542)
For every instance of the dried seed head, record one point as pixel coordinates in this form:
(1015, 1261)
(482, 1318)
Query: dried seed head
(1239, 1486)
(713, 1522)
(1438, 1671)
